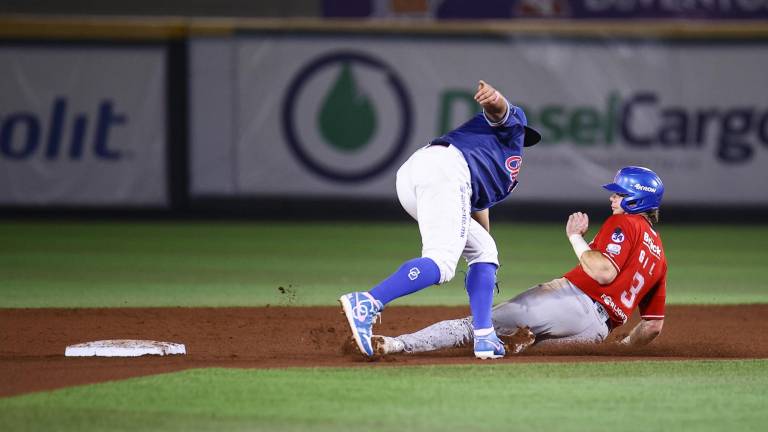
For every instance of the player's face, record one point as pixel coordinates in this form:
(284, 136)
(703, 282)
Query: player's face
(616, 204)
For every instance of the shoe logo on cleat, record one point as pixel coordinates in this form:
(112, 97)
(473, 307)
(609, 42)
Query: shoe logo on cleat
(414, 273)
(364, 309)
(360, 311)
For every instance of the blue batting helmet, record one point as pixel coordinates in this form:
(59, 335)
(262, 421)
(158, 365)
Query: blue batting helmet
(641, 188)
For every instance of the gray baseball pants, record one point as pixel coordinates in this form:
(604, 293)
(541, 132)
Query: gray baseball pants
(556, 312)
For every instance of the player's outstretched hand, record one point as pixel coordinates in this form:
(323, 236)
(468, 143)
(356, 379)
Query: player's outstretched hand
(578, 223)
(491, 100)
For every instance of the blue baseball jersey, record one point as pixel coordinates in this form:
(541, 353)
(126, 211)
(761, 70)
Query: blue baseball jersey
(494, 154)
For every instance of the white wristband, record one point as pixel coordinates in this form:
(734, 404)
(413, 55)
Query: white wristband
(579, 245)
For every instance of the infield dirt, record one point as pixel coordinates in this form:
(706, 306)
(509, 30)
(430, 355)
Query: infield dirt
(32, 341)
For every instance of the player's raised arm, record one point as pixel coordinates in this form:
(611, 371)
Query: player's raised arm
(493, 102)
(593, 262)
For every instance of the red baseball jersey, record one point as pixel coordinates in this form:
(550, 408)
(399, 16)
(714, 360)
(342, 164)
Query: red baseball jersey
(635, 249)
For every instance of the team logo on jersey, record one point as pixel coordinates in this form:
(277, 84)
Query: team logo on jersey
(347, 116)
(513, 165)
(617, 236)
(613, 249)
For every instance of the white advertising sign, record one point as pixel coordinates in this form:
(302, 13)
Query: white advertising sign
(82, 126)
(326, 116)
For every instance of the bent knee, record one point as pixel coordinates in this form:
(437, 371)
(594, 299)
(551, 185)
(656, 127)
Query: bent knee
(447, 267)
(447, 272)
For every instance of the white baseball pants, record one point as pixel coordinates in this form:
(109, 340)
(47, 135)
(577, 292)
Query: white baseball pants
(434, 187)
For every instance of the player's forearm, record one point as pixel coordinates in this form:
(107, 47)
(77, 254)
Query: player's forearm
(495, 106)
(643, 333)
(594, 264)
(497, 112)
(597, 267)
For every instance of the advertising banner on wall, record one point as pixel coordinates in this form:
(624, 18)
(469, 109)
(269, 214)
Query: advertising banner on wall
(82, 126)
(688, 9)
(580, 9)
(336, 117)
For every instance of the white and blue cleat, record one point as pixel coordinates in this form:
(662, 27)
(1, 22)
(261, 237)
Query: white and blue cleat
(489, 347)
(361, 309)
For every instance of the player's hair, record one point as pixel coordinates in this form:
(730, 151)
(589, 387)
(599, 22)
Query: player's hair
(653, 216)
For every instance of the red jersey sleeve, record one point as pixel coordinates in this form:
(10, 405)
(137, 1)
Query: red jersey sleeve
(652, 305)
(614, 241)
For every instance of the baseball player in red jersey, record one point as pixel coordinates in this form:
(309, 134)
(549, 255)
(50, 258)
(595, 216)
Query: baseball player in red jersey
(622, 268)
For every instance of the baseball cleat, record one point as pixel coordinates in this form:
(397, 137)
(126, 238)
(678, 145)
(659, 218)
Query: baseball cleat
(489, 347)
(383, 345)
(361, 310)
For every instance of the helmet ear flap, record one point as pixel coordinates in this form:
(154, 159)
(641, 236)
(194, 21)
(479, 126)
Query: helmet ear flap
(629, 204)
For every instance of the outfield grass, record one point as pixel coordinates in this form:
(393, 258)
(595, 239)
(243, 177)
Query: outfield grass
(227, 264)
(627, 396)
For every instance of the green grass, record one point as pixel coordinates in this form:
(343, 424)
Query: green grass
(627, 396)
(228, 264)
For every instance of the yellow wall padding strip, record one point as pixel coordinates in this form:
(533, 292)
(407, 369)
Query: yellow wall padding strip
(92, 28)
(163, 28)
(682, 29)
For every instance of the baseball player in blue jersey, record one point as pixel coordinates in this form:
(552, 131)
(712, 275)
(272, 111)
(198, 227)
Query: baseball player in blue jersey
(448, 187)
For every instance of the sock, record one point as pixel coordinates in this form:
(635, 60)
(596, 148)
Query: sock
(412, 276)
(481, 279)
